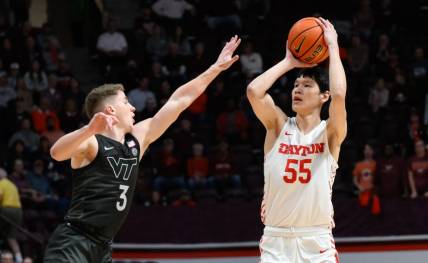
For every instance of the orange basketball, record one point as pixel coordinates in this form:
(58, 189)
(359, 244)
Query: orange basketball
(306, 41)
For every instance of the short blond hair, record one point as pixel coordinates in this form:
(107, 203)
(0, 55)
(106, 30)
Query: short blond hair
(98, 95)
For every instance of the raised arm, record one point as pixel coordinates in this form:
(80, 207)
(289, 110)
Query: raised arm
(261, 102)
(337, 127)
(150, 129)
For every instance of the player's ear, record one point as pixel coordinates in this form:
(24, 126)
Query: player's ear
(325, 96)
(109, 109)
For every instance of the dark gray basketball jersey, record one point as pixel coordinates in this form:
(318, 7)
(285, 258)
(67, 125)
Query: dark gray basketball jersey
(103, 190)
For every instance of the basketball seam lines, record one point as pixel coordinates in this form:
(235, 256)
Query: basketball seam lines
(303, 32)
(312, 45)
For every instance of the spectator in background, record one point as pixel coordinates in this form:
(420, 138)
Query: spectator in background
(169, 175)
(8, 53)
(40, 114)
(251, 61)
(232, 124)
(157, 43)
(23, 93)
(149, 110)
(418, 171)
(10, 209)
(15, 116)
(414, 126)
(19, 177)
(25, 134)
(172, 12)
(364, 173)
(75, 93)
(182, 41)
(198, 61)
(70, 117)
(223, 14)
(4, 24)
(382, 55)
(52, 133)
(18, 151)
(390, 174)
(419, 68)
(51, 54)
(7, 93)
(223, 176)
(45, 193)
(144, 25)
(63, 73)
(183, 137)
(43, 153)
(45, 35)
(174, 65)
(13, 75)
(138, 96)
(132, 73)
(112, 45)
(358, 58)
(216, 98)
(6, 257)
(198, 108)
(156, 76)
(31, 53)
(35, 78)
(364, 18)
(53, 94)
(379, 96)
(399, 84)
(419, 73)
(164, 92)
(197, 168)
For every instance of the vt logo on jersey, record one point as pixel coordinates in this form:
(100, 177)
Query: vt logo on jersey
(122, 167)
(301, 150)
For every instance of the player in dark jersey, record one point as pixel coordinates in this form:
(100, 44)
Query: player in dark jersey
(105, 155)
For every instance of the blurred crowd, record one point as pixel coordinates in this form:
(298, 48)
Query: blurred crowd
(214, 152)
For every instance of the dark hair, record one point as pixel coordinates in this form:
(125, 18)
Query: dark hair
(98, 95)
(318, 74)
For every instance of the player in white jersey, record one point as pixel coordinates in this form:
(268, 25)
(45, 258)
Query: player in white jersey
(301, 156)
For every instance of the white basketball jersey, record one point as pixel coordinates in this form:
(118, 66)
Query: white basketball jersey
(299, 173)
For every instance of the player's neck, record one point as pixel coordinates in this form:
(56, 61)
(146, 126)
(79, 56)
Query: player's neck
(307, 122)
(116, 134)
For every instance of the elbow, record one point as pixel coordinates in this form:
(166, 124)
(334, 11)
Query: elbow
(54, 154)
(340, 94)
(251, 91)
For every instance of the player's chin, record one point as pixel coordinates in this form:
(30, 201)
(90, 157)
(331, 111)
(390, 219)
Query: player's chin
(296, 106)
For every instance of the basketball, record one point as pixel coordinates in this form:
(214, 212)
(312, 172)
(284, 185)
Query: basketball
(306, 41)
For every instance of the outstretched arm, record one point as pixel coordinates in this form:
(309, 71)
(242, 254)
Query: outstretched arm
(337, 127)
(261, 102)
(150, 129)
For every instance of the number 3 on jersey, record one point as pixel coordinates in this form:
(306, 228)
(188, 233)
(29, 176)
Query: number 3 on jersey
(297, 169)
(121, 205)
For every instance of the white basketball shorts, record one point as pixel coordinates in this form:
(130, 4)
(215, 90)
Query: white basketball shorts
(298, 245)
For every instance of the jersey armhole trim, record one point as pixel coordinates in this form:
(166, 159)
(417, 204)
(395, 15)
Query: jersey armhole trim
(89, 165)
(268, 154)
